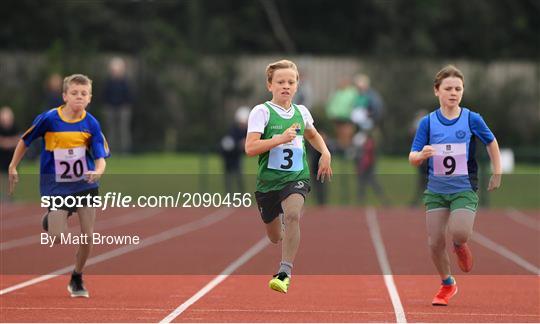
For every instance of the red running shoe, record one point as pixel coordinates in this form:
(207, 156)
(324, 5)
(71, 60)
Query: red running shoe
(443, 296)
(464, 256)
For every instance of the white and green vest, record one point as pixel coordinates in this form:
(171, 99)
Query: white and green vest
(286, 162)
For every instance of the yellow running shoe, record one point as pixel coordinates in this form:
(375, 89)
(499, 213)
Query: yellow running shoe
(280, 282)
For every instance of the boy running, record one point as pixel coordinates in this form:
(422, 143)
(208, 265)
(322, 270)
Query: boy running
(72, 161)
(276, 132)
(446, 138)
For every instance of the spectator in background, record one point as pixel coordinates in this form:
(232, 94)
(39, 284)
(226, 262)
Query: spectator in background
(339, 109)
(366, 168)
(118, 106)
(320, 189)
(53, 91)
(422, 169)
(368, 99)
(232, 150)
(9, 136)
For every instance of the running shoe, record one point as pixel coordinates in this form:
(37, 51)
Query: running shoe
(76, 286)
(464, 256)
(443, 296)
(280, 282)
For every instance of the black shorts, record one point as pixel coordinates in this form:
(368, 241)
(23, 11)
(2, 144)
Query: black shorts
(92, 192)
(269, 203)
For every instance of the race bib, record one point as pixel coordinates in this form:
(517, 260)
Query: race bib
(288, 156)
(450, 159)
(70, 164)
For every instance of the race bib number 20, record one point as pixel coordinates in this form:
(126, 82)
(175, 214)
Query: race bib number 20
(70, 164)
(450, 159)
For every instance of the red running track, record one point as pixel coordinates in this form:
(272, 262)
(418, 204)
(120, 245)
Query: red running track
(337, 277)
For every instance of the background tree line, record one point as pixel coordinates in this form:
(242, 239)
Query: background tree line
(184, 55)
(480, 29)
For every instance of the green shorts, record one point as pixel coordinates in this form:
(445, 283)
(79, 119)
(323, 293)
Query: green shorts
(460, 200)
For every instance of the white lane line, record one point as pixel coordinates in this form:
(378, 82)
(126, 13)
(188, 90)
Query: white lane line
(505, 252)
(254, 250)
(124, 219)
(211, 219)
(523, 219)
(378, 244)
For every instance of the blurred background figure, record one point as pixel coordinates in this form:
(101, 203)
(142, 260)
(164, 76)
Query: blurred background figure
(117, 98)
(422, 169)
(320, 189)
(53, 91)
(9, 136)
(366, 168)
(368, 99)
(232, 151)
(339, 109)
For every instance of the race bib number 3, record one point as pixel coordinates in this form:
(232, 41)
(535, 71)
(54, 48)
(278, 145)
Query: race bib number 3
(70, 164)
(450, 159)
(288, 156)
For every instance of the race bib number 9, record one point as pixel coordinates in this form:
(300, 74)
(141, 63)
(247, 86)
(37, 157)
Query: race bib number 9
(70, 164)
(288, 156)
(450, 159)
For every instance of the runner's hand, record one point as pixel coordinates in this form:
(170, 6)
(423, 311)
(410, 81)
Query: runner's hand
(494, 182)
(427, 152)
(325, 169)
(288, 135)
(13, 180)
(92, 176)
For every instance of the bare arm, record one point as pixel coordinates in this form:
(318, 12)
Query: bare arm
(255, 145)
(93, 176)
(495, 157)
(416, 158)
(316, 140)
(20, 150)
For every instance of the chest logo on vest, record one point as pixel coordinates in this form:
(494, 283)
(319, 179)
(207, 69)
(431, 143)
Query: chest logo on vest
(460, 134)
(276, 127)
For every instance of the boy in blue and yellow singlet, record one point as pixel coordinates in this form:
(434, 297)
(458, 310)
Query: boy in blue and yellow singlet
(276, 132)
(446, 138)
(72, 161)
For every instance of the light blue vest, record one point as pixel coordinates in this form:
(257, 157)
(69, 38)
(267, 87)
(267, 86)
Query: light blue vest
(453, 172)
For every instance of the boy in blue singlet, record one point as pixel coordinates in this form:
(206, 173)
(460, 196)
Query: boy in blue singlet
(446, 138)
(72, 161)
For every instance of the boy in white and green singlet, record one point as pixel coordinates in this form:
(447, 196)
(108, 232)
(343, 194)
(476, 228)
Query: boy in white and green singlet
(276, 132)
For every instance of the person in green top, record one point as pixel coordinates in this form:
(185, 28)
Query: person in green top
(276, 132)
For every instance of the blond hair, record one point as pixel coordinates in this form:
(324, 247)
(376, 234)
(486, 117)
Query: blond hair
(447, 72)
(282, 64)
(76, 79)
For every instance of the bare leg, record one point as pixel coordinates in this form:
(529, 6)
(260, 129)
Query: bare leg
(274, 230)
(292, 208)
(436, 224)
(87, 217)
(57, 222)
(460, 225)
